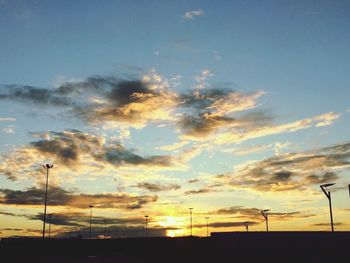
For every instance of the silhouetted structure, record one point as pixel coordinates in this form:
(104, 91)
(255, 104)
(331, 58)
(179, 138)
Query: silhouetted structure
(328, 195)
(49, 225)
(207, 218)
(246, 226)
(190, 209)
(90, 206)
(146, 222)
(264, 213)
(47, 167)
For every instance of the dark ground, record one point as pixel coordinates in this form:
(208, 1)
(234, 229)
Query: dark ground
(221, 247)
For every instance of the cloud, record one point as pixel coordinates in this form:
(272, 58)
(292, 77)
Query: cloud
(73, 149)
(227, 224)
(104, 99)
(254, 213)
(157, 187)
(190, 15)
(7, 119)
(291, 171)
(60, 197)
(10, 129)
(199, 191)
(210, 110)
(191, 181)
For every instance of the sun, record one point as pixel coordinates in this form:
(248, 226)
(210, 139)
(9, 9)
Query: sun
(175, 224)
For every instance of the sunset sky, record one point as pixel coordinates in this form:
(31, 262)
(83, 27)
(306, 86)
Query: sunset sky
(153, 107)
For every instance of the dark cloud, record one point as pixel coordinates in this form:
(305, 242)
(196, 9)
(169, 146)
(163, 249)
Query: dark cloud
(157, 187)
(100, 99)
(199, 191)
(72, 149)
(211, 109)
(255, 213)
(60, 197)
(292, 171)
(228, 224)
(327, 224)
(191, 181)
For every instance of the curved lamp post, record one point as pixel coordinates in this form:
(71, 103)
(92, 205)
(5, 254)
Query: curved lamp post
(47, 167)
(328, 195)
(264, 213)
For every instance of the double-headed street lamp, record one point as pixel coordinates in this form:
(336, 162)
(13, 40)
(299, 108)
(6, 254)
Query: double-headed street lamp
(246, 225)
(207, 218)
(47, 167)
(328, 195)
(146, 223)
(90, 206)
(264, 213)
(190, 209)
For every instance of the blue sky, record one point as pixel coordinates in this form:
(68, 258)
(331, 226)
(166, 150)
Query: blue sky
(220, 88)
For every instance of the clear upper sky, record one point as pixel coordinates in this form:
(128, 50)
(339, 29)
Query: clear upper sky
(152, 107)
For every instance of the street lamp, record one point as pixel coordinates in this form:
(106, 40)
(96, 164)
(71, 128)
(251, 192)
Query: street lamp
(47, 167)
(49, 225)
(328, 195)
(207, 218)
(246, 226)
(146, 222)
(264, 213)
(191, 219)
(90, 206)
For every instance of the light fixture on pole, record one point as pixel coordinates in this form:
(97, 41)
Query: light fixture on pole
(328, 195)
(246, 224)
(49, 225)
(190, 209)
(207, 218)
(47, 167)
(90, 206)
(146, 223)
(264, 213)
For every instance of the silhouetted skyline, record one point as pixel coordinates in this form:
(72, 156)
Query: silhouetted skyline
(150, 108)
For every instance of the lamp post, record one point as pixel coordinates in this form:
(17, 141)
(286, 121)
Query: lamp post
(207, 218)
(190, 209)
(264, 213)
(246, 225)
(47, 167)
(90, 206)
(104, 228)
(49, 225)
(146, 222)
(328, 195)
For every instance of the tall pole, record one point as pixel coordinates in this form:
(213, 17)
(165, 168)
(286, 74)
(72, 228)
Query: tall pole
(91, 206)
(207, 218)
(49, 225)
(330, 210)
(47, 167)
(146, 222)
(328, 195)
(190, 219)
(104, 229)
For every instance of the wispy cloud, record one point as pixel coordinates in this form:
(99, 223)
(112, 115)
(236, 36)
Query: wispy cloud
(291, 171)
(157, 187)
(7, 119)
(60, 197)
(190, 15)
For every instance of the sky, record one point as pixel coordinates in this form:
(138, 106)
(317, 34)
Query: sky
(155, 107)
